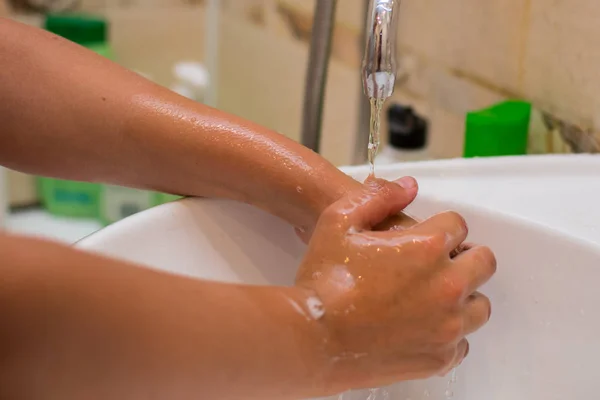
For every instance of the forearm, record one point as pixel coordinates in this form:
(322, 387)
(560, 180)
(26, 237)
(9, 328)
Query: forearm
(80, 326)
(69, 113)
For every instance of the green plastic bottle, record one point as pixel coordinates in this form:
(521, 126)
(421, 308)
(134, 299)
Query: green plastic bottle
(68, 198)
(87, 30)
(500, 130)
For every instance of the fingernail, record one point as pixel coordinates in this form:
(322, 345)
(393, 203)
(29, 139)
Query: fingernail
(407, 182)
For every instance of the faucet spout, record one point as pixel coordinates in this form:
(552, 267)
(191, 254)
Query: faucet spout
(379, 62)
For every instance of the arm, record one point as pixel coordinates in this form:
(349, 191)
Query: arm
(80, 326)
(69, 113)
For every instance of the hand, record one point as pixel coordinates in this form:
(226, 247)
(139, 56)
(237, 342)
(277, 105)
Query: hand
(393, 222)
(396, 305)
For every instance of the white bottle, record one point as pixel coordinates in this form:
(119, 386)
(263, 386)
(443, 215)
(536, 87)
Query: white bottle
(407, 137)
(393, 155)
(192, 80)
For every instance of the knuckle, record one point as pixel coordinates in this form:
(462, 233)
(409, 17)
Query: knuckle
(333, 215)
(451, 331)
(452, 291)
(445, 358)
(435, 244)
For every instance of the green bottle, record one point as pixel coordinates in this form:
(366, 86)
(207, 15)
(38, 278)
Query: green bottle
(500, 130)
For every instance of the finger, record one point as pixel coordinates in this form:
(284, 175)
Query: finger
(477, 265)
(398, 222)
(462, 351)
(376, 201)
(477, 312)
(303, 234)
(460, 249)
(450, 224)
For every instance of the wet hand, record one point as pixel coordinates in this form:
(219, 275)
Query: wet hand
(393, 222)
(396, 305)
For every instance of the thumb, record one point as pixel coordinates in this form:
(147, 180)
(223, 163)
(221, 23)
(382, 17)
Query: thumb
(377, 200)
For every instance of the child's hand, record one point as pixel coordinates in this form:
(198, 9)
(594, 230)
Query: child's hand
(396, 305)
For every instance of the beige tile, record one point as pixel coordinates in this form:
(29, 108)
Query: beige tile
(444, 87)
(479, 38)
(446, 134)
(143, 4)
(563, 58)
(261, 78)
(349, 13)
(459, 94)
(22, 189)
(151, 40)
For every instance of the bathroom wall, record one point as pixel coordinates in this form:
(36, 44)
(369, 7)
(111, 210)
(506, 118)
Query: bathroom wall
(465, 54)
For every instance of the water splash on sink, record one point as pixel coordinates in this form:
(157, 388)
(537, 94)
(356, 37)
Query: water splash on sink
(384, 394)
(374, 394)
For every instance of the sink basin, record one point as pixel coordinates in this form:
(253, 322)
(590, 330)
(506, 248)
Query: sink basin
(539, 214)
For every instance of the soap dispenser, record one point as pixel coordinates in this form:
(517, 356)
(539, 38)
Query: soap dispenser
(407, 137)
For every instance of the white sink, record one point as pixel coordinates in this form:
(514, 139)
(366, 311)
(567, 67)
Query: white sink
(539, 214)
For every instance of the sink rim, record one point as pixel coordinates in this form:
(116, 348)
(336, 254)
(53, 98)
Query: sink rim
(477, 167)
(494, 214)
(536, 165)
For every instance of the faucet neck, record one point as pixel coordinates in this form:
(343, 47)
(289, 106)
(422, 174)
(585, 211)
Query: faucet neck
(379, 62)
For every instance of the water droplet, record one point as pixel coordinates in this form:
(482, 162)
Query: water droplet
(347, 260)
(449, 393)
(453, 377)
(299, 189)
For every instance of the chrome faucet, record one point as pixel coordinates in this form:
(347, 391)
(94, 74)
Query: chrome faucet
(379, 61)
(378, 72)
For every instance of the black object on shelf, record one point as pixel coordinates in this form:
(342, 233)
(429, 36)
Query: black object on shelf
(407, 130)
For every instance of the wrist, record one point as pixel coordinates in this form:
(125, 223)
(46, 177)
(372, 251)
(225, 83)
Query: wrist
(311, 333)
(331, 187)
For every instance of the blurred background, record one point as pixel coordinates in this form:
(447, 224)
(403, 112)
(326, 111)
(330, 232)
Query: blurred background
(471, 74)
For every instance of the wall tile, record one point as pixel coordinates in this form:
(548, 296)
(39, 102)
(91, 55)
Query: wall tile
(446, 133)
(562, 69)
(481, 38)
